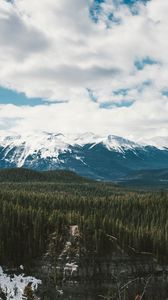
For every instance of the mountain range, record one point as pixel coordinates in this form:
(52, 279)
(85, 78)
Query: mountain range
(99, 157)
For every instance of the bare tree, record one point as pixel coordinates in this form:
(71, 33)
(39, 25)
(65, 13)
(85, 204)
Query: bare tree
(118, 292)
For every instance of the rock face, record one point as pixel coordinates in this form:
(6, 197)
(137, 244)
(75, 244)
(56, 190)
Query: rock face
(74, 273)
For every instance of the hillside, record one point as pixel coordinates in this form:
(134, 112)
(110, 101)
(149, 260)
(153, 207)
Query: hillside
(27, 175)
(140, 179)
(33, 210)
(120, 228)
(147, 178)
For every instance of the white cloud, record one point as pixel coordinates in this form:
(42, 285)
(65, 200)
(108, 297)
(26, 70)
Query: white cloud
(54, 50)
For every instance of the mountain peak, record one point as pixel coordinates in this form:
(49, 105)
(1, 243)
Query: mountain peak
(88, 154)
(119, 143)
(47, 144)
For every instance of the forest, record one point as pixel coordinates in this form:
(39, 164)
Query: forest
(34, 205)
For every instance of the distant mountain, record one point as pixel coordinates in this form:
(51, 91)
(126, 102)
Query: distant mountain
(160, 142)
(90, 155)
(150, 178)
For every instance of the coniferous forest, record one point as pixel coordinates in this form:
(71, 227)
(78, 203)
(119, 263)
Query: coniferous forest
(33, 205)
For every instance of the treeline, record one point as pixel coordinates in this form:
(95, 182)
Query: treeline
(28, 175)
(30, 212)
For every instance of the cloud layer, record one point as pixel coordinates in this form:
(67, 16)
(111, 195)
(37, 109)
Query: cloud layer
(107, 64)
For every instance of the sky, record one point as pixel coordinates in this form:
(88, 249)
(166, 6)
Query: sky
(84, 66)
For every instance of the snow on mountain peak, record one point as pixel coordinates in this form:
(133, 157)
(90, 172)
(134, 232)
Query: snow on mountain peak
(52, 142)
(87, 138)
(119, 144)
(50, 145)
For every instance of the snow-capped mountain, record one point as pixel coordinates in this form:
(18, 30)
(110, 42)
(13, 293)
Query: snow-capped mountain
(109, 157)
(49, 145)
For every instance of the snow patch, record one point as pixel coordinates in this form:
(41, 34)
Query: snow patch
(13, 285)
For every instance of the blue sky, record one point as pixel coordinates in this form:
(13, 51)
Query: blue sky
(103, 69)
(131, 2)
(8, 96)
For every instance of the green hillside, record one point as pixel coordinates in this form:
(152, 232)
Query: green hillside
(28, 175)
(35, 205)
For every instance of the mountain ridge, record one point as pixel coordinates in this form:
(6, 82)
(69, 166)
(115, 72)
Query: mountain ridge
(99, 157)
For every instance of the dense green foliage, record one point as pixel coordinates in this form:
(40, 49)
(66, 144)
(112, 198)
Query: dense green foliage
(28, 175)
(29, 212)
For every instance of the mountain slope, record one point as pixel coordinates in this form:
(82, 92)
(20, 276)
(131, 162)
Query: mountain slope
(154, 178)
(28, 175)
(105, 158)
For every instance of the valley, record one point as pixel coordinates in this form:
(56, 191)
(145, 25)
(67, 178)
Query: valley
(83, 238)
